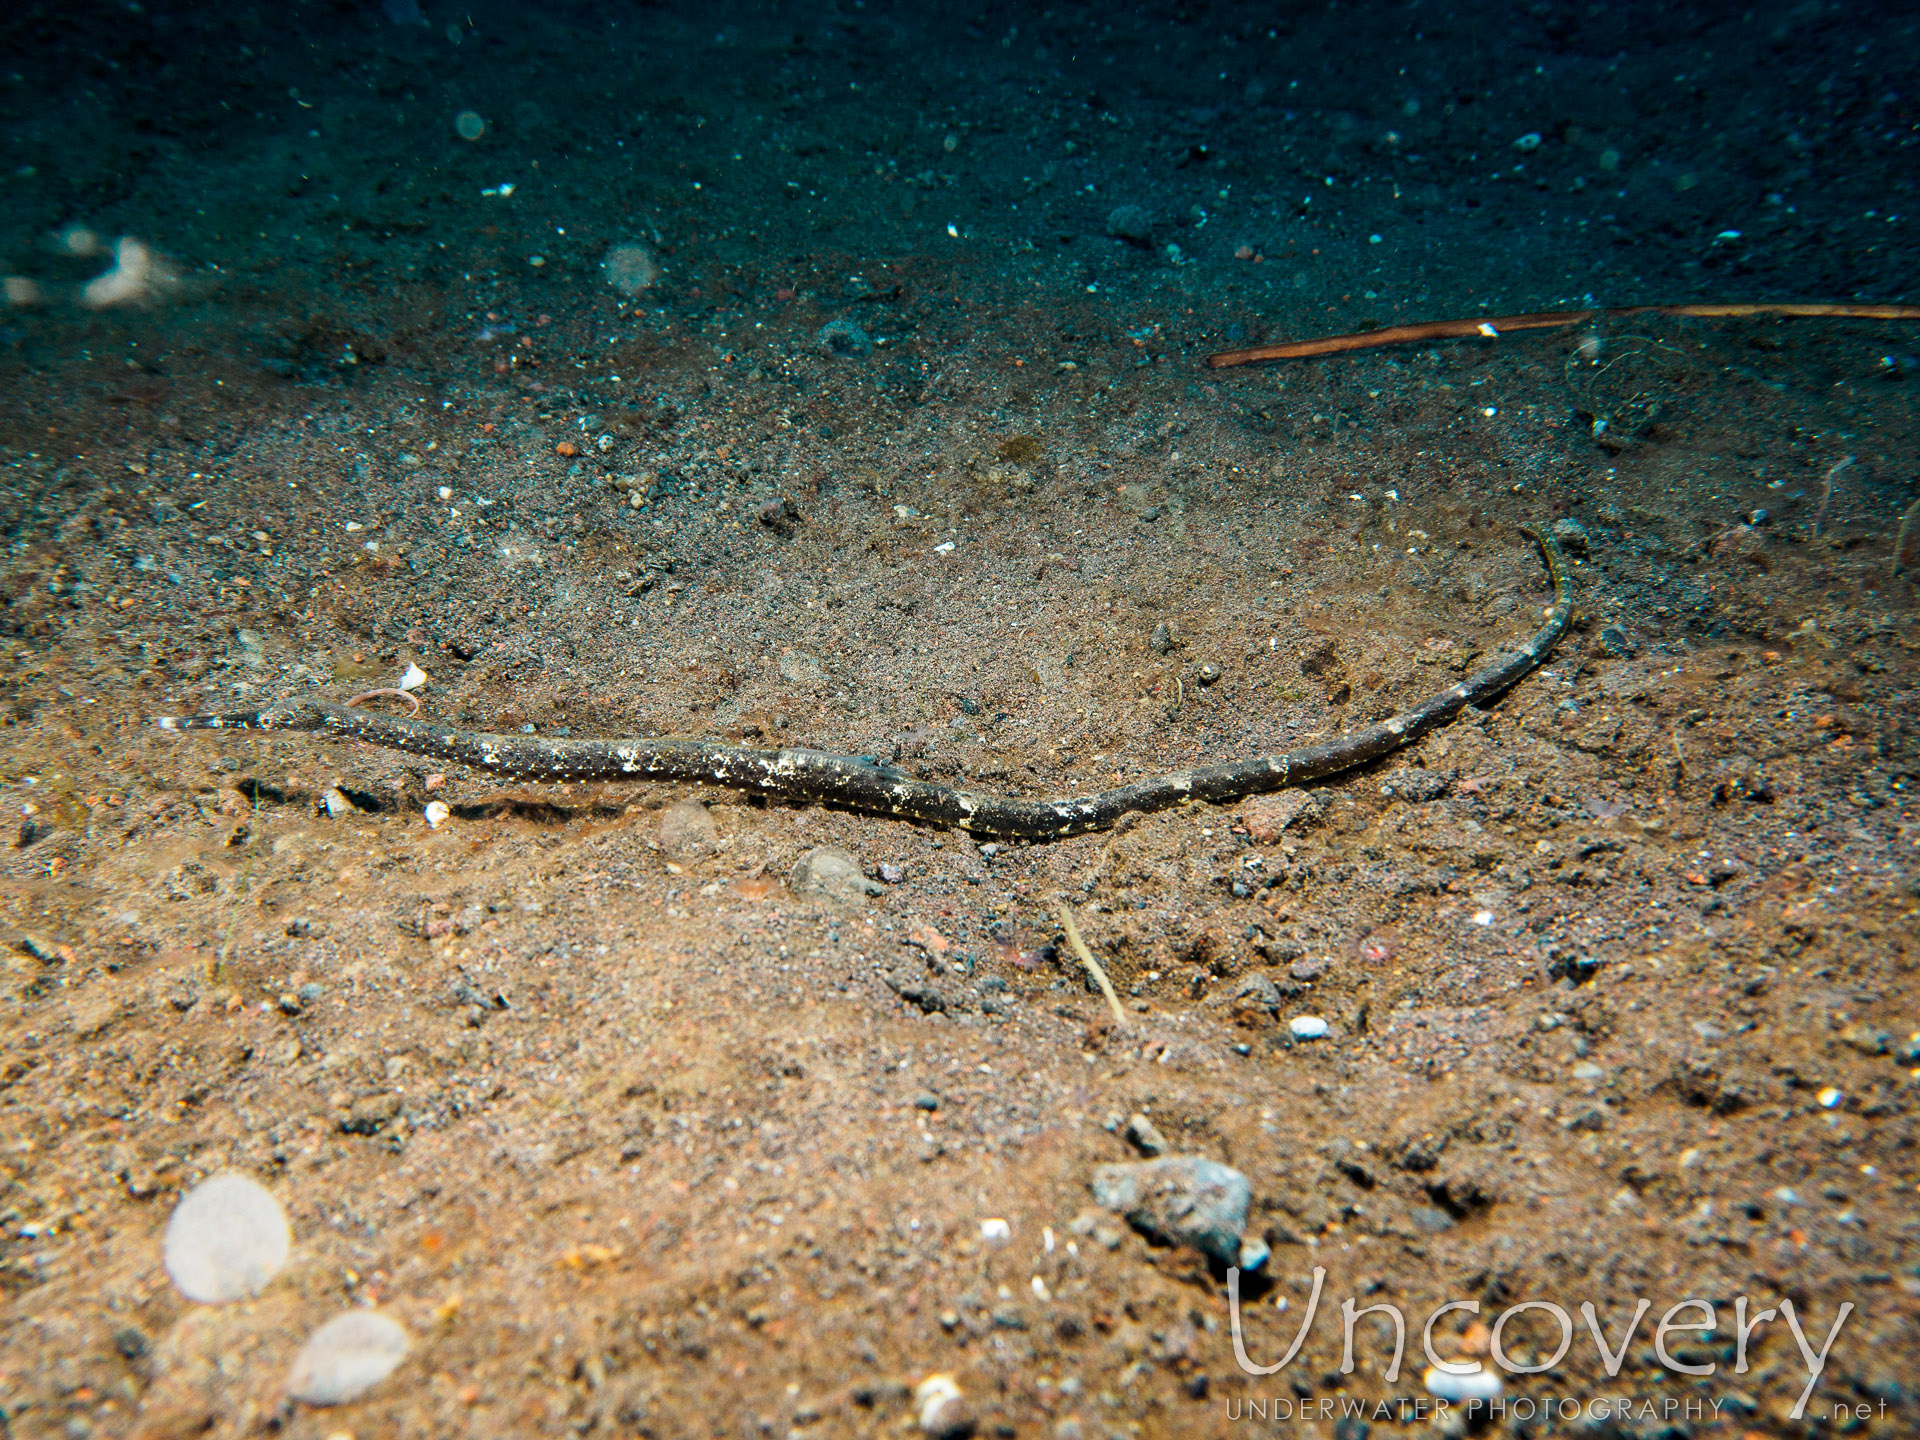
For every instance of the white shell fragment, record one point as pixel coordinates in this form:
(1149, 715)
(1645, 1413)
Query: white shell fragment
(1482, 1384)
(995, 1231)
(437, 814)
(336, 804)
(226, 1239)
(1307, 1027)
(346, 1357)
(944, 1412)
(413, 679)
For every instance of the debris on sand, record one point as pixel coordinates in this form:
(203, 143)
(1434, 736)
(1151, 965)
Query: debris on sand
(1130, 223)
(944, 1412)
(138, 277)
(631, 268)
(845, 339)
(830, 871)
(346, 1357)
(1181, 1200)
(226, 1239)
(1145, 1136)
(687, 832)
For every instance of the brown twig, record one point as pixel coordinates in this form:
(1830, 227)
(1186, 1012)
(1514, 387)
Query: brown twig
(1494, 326)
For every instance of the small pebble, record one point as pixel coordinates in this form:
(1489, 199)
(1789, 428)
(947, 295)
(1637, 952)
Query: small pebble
(1572, 535)
(830, 871)
(687, 831)
(1255, 993)
(1415, 786)
(226, 1239)
(892, 873)
(413, 679)
(944, 1412)
(437, 814)
(1866, 1039)
(1587, 1070)
(1613, 640)
(1146, 1136)
(1182, 1199)
(1266, 816)
(336, 804)
(1828, 1098)
(926, 1100)
(346, 1357)
(630, 268)
(995, 1231)
(1307, 1027)
(1130, 223)
(1483, 1384)
(844, 338)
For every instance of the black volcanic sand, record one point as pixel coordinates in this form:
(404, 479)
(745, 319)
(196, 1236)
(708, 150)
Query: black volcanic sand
(634, 1136)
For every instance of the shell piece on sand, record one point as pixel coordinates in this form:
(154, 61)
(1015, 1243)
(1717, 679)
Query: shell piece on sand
(346, 1357)
(226, 1239)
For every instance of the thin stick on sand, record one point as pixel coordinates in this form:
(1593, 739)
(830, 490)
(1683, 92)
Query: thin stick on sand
(1493, 326)
(1093, 966)
(1900, 535)
(1826, 495)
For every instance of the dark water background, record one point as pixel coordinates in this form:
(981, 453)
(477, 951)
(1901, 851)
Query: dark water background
(300, 166)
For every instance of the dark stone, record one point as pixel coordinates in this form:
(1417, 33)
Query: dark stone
(779, 515)
(1130, 223)
(1613, 640)
(1182, 1199)
(131, 1342)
